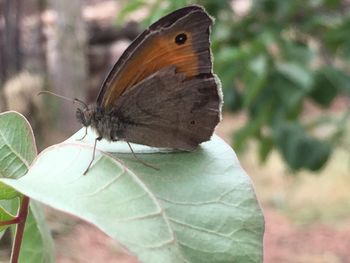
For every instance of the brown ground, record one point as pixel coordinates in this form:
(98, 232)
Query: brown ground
(86, 244)
(318, 243)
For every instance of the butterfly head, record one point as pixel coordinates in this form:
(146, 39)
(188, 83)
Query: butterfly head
(84, 116)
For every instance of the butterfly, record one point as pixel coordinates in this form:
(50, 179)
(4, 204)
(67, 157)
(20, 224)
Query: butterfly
(162, 91)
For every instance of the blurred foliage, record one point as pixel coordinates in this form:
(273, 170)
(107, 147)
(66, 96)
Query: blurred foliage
(270, 60)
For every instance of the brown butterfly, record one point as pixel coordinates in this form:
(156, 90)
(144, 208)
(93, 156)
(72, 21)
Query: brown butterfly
(162, 91)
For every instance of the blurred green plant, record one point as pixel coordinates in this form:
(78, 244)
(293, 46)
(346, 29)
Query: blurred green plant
(270, 61)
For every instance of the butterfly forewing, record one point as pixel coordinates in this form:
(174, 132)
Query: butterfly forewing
(181, 41)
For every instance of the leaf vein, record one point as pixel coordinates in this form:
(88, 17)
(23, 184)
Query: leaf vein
(106, 185)
(13, 150)
(210, 232)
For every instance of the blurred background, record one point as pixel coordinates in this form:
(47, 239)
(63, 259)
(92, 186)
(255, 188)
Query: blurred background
(285, 73)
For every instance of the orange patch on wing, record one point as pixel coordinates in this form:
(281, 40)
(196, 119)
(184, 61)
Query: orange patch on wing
(155, 54)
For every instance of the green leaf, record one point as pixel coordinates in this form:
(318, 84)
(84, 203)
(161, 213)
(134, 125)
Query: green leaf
(198, 207)
(5, 216)
(299, 149)
(17, 145)
(37, 245)
(332, 3)
(325, 88)
(252, 128)
(10, 208)
(329, 82)
(299, 53)
(265, 147)
(255, 79)
(17, 151)
(287, 96)
(339, 79)
(233, 99)
(296, 73)
(7, 192)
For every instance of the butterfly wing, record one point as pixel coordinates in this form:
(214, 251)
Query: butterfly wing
(170, 111)
(180, 39)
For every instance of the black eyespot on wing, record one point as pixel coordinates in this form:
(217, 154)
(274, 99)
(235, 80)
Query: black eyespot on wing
(193, 122)
(181, 39)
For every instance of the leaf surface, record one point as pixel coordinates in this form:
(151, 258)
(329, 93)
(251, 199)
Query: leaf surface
(198, 207)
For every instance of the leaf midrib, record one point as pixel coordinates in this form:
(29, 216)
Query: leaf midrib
(13, 150)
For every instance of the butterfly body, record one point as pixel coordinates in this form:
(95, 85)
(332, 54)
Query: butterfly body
(162, 91)
(107, 125)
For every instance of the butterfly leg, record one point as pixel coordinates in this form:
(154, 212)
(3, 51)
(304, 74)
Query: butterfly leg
(82, 138)
(93, 155)
(141, 161)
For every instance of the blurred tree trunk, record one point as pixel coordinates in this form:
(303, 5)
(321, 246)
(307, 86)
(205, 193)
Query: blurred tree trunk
(11, 38)
(2, 64)
(10, 49)
(2, 46)
(66, 59)
(33, 39)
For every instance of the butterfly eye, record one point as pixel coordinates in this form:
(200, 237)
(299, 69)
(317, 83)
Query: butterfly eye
(181, 39)
(83, 116)
(80, 116)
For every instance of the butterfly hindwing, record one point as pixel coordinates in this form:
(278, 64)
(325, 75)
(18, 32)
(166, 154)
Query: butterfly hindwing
(170, 111)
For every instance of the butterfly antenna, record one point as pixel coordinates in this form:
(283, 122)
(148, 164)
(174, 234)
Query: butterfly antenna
(63, 97)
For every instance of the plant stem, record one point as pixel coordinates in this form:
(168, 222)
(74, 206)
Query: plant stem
(21, 218)
(15, 220)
